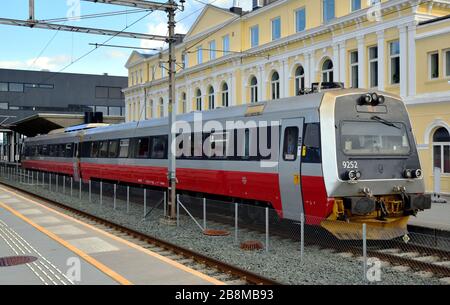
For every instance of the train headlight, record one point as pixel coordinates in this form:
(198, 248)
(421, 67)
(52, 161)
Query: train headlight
(381, 99)
(365, 99)
(353, 175)
(418, 173)
(407, 173)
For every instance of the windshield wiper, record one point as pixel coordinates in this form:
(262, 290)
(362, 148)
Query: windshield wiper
(383, 121)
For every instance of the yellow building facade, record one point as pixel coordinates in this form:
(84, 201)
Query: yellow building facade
(230, 58)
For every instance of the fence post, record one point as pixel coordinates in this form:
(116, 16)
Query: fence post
(364, 239)
(267, 229)
(101, 193)
(32, 177)
(80, 182)
(64, 185)
(50, 182)
(145, 202)
(115, 191)
(90, 198)
(236, 222)
(128, 198)
(204, 213)
(178, 211)
(165, 203)
(71, 186)
(302, 236)
(56, 183)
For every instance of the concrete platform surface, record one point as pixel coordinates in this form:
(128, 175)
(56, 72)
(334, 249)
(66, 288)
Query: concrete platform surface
(438, 217)
(69, 251)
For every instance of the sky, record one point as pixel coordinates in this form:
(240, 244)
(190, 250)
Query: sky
(39, 49)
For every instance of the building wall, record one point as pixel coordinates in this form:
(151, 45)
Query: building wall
(400, 21)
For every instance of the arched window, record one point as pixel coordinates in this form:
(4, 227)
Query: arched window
(441, 150)
(149, 109)
(299, 80)
(211, 102)
(275, 84)
(198, 99)
(183, 102)
(253, 90)
(161, 107)
(327, 71)
(225, 96)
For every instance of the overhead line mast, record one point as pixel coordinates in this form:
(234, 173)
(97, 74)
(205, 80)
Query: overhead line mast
(170, 7)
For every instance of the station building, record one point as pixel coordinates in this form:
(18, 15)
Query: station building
(230, 57)
(36, 102)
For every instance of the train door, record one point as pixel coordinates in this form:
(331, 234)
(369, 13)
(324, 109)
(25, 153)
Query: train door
(76, 162)
(289, 167)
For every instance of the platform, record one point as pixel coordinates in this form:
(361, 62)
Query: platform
(438, 217)
(60, 242)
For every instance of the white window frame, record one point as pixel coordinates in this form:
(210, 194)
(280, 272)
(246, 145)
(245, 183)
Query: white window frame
(446, 71)
(275, 86)
(225, 96)
(430, 77)
(296, 21)
(298, 80)
(352, 66)
(149, 110)
(212, 50)
(183, 102)
(351, 6)
(253, 90)
(327, 71)
(371, 61)
(256, 26)
(390, 63)
(226, 48)
(272, 21)
(161, 107)
(211, 98)
(199, 55)
(198, 100)
(441, 145)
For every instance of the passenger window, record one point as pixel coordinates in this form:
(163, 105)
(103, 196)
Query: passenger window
(311, 151)
(103, 149)
(113, 149)
(143, 147)
(94, 149)
(124, 147)
(68, 150)
(290, 144)
(159, 147)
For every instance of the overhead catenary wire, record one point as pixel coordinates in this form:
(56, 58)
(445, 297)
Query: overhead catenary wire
(98, 15)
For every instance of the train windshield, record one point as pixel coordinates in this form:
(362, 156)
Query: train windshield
(374, 138)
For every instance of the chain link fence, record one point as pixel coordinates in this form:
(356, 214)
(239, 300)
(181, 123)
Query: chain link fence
(255, 237)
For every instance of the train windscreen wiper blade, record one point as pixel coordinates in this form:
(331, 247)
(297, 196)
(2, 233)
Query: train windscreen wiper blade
(383, 121)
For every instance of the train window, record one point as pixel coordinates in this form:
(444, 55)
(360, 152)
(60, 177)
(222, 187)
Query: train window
(311, 145)
(123, 149)
(143, 145)
(44, 150)
(159, 147)
(290, 143)
(103, 149)
(52, 150)
(113, 149)
(94, 149)
(86, 149)
(68, 150)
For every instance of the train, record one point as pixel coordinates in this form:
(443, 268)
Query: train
(338, 158)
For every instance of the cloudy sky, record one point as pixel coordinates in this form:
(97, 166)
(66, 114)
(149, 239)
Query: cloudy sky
(36, 49)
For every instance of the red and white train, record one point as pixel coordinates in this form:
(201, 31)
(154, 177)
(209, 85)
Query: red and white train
(341, 157)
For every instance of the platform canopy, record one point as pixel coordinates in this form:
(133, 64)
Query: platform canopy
(43, 123)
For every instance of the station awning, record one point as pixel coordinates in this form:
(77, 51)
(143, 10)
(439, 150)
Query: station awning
(43, 123)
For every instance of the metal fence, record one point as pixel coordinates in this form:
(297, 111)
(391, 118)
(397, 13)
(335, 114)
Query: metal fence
(299, 247)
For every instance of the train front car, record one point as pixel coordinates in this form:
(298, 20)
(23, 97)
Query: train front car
(371, 167)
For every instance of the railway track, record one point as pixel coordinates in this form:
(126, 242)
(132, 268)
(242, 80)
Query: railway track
(229, 274)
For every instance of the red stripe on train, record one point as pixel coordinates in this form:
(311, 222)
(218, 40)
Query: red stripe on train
(316, 203)
(53, 166)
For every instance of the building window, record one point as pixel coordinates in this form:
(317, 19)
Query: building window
(328, 10)
(300, 20)
(441, 150)
(356, 5)
(373, 67)
(183, 102)
(354, 69)
(184, 58)
(276, 28)
(299, 80)
(149, 109)
(254, 36)
(3, 87)
(101, 92)
(327, 71)
(161, 107)
(114, 111)
(4, 105)
(225, 96)
(15, 87)
(212, 50)
(275, 85)
(199, 55)
(226, 44)
(394, 67)
(198, 99)
(253, 90)
(433, 63)
(447, 63)
(211, 102)
(102, 109)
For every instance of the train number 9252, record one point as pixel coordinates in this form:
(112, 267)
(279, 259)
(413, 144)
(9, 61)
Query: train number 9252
(350, 164)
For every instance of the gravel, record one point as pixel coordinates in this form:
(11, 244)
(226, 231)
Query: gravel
(282, 263)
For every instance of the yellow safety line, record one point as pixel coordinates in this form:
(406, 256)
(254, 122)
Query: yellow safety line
(114, 275)
(128, 243)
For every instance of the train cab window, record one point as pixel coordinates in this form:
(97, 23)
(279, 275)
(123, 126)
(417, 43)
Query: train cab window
(94, 149)
(123, 148)
(103, 149)
(143, 148)
(311, 151)
(159, 147)
(44, 151)
(290, 143)
(113, 149)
